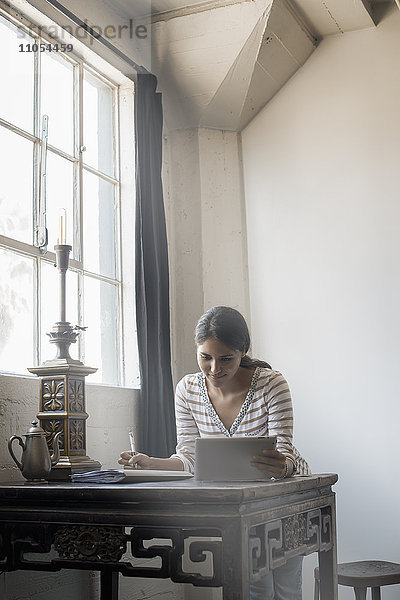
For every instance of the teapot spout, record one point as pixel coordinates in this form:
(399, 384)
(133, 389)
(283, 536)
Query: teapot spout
(55, 457)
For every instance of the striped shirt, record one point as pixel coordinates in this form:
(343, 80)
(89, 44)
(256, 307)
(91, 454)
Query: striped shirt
(266, 411)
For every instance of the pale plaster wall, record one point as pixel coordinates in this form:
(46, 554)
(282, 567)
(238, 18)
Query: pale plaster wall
(182, 197)
(224, 244)
(322, 200)
(203, 194)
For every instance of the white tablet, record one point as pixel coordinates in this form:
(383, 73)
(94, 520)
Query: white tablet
(228, 458)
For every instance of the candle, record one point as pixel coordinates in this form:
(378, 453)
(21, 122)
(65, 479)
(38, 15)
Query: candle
(63, 227)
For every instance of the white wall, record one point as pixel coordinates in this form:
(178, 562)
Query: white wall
(203, 192)
(323, 210)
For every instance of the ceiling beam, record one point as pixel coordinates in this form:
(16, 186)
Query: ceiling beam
(193, 9)
(368, 7)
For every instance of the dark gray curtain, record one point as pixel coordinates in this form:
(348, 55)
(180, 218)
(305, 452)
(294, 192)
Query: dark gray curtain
(157, 419)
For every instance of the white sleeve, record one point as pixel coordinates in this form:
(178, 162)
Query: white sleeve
(280, 422)
(186, 429)
(280, 415)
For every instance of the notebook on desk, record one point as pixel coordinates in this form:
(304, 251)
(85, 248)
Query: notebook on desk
(145, 475)
(228, 458)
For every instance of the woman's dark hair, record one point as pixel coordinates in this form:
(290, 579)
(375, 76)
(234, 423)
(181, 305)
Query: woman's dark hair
(229, 327)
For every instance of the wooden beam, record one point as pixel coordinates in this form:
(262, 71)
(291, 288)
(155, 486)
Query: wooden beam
(193, 9)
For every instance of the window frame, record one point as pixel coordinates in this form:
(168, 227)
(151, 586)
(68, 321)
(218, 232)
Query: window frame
(122, 87)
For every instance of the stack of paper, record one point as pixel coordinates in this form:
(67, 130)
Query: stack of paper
(106, 476)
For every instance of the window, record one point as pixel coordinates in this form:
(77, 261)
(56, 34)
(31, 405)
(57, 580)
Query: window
(88, 174)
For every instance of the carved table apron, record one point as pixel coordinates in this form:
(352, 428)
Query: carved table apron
(247, 528)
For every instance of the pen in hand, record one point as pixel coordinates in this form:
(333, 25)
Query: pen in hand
(132, 443)
(133, 448)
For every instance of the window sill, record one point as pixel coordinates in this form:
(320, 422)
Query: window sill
(15, 377)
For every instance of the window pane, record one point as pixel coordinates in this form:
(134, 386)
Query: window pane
(16, 157)
(50, 307)
(59, 194)
(57, 100)
(16, 312)
(98, 124)
(16, 72)
(101, 348)
(99, 226)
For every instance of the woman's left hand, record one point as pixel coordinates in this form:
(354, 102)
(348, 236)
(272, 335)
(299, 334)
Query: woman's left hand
(270, 462)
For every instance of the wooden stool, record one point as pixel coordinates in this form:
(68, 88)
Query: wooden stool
(362, 575)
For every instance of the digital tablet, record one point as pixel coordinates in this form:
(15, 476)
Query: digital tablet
(228, 458)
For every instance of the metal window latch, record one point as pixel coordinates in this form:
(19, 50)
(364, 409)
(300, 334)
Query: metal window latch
(41, 238)
(41, 234)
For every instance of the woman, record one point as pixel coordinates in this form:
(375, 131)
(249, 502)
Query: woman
(235, 395)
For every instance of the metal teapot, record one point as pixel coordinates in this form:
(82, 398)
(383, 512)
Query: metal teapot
(36, 461)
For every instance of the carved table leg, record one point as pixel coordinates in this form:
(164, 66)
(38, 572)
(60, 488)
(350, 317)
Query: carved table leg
(328, 574)
(235, 563)
(109, 585)
(327, 557)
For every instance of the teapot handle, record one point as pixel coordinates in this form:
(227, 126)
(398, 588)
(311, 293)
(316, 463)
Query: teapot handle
(21, 443)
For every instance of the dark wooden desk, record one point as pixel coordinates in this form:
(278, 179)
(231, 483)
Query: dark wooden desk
(254, 527)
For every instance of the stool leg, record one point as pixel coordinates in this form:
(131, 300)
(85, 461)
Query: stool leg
(361, 593)
(316, 590)
(376, 593)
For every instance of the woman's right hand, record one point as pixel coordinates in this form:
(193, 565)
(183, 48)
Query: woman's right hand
(135, 461)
